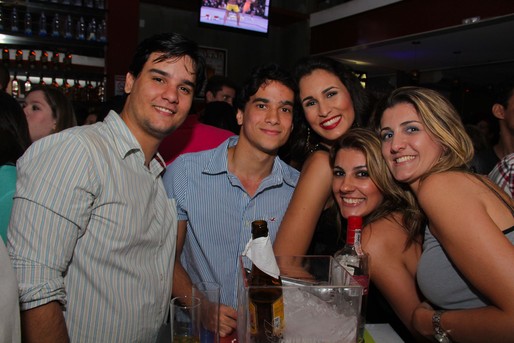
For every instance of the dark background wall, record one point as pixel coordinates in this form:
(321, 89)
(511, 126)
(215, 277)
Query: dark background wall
(284, 43)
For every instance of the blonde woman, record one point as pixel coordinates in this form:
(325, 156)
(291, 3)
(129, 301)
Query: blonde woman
(468, 253)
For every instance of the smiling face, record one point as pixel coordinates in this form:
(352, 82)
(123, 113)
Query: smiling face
(267, 119)
(408, 148)
(327, 104)
(355, 192)
(160, 97)
(39, 115)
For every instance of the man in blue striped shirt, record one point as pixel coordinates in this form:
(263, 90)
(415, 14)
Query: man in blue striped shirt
(220, 192)
(92, 234)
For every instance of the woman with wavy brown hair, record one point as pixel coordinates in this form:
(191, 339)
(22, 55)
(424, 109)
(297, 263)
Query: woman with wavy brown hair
(392, 233)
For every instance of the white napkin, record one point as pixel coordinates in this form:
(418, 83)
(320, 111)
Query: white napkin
(260, 252)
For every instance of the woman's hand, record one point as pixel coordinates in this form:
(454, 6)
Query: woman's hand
(422, 319)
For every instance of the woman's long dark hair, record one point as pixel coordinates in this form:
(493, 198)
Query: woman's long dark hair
(14, 130)
(301, 140)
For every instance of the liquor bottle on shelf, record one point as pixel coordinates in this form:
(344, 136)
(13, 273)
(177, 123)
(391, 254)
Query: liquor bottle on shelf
(27, 85)
(100, 4)
(42, 25)
(100, 91)
(44, 59)
(68, 27)
(55, 60)
(265, 304)
(2, 19)
(77, 2)
(81, 29)
(102, 31)
(89, 92)
(15, 86)
(65, 2)
(54, 83)
(32, 59)
(56, 26)
(41, 80)
(66, 88)
(88, 3)
(28, 24)
(77, 91)
(91, 30)
(66, 62)
(6, 59)
(355, 261)
(19, 58)
(14, 20)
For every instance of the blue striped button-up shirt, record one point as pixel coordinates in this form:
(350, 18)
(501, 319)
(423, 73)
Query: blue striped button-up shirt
(92, 228)
(219, 213)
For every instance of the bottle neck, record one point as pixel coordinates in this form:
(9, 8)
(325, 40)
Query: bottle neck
(259, 229)
(353, 236)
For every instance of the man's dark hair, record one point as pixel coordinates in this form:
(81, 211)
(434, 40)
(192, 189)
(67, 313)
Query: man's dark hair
(14, 130)
(172, 46)
(216, 82)
(502, 92)
(262, 75)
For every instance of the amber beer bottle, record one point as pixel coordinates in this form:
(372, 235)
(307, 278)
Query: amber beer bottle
(266, 305)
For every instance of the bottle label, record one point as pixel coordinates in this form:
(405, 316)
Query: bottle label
(273, 329)
(278, 316)
(363, 280)
(253, 318)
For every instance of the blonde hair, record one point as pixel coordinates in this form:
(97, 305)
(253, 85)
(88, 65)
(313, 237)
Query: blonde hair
(440, 119)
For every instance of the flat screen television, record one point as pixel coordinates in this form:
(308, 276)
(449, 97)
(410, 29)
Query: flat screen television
(250, 16)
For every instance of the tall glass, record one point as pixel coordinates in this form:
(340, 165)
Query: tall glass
(209, 294)
(185, 319)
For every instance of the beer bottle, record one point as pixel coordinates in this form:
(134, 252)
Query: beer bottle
(266, 305)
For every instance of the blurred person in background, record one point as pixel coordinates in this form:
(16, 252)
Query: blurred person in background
(220, 88)
(221, 114)
(503, 110)
(14, 140)
(48, 111)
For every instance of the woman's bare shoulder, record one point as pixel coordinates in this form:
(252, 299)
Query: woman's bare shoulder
(385, 234)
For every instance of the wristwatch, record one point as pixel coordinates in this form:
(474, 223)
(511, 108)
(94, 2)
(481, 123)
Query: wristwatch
(440, 335)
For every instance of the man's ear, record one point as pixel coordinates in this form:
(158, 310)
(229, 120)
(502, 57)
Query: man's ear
(498, 111)
(239, 117)
(209, 96)
(129, 82)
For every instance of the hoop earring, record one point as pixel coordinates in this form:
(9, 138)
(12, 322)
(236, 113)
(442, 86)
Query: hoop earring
(308, 138)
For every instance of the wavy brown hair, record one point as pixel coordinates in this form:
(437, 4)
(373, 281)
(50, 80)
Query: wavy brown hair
(397, 197)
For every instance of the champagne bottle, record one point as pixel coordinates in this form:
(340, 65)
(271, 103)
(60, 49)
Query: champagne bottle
(355, 261)
(266, 304)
